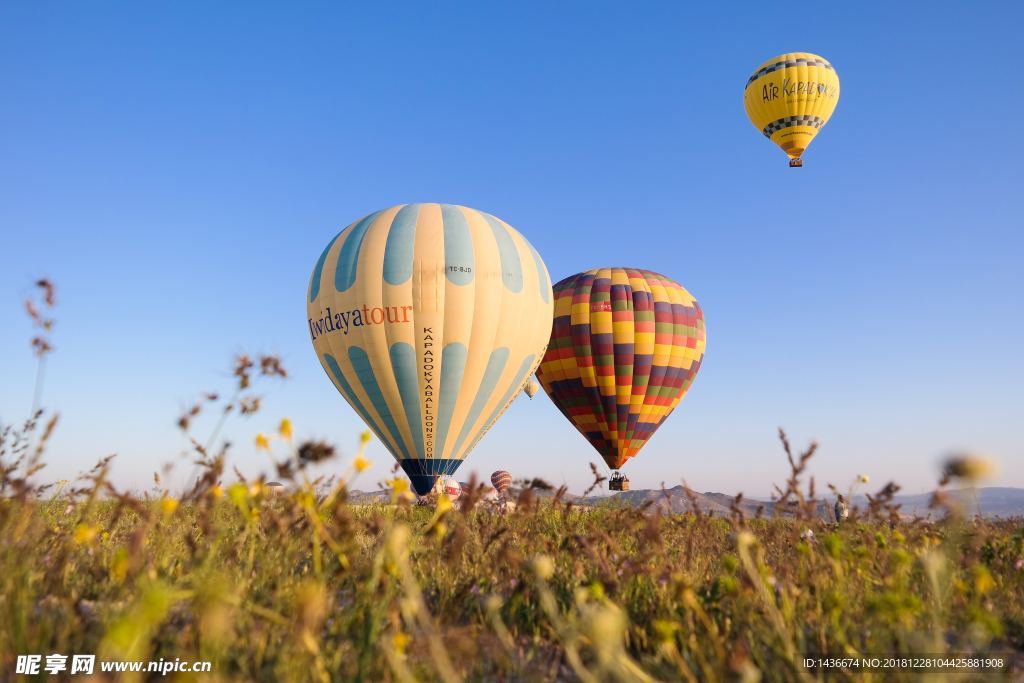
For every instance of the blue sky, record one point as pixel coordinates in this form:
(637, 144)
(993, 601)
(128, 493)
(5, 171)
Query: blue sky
(177, 169)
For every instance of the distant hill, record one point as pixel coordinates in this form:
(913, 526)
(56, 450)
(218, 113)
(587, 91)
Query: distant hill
(676, 500)
(991, 502)
(369, 497)
(670, 500)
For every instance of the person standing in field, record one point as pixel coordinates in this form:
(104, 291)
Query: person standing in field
(842, 509)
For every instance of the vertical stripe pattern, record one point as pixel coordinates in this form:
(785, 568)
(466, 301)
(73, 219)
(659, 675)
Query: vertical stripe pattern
(429, 318)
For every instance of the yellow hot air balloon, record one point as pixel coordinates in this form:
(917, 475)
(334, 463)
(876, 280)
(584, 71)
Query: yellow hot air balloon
(429, 318)
(531, 387)
(790, 98)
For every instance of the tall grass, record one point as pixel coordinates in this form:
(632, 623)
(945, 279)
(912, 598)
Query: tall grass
(297, 584)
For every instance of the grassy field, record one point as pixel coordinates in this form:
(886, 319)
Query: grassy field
(296, 584)
(300, 586)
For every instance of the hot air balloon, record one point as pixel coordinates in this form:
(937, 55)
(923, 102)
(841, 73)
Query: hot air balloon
(429, 318)
(501, 480)
(451, 488)
(790, 98)
(625, 347)
(531, 387)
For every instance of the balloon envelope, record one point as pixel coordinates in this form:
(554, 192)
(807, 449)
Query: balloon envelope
(790, 98)
(451, 488)
(429, 318)
(625, 347)
(501, 480)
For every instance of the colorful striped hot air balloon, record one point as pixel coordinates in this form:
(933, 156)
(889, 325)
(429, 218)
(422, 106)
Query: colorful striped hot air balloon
(790, 98)
(429, 318)
(625, 347)
(501, 480)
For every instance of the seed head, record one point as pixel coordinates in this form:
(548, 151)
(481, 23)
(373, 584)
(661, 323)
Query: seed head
(969, 467)
(543, 567)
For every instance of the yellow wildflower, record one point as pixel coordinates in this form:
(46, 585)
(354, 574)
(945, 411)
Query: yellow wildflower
(400, 489)
(168, 506)
(285, 430)
(217, 491)
(238, 492)
(400, 641)
(361, 463)
(983, 581)
(305, 498)
(444, 504)
(365, 437)
(863, 478)
(119, 565)
(666, 630)
(85, 533)
(262, 442)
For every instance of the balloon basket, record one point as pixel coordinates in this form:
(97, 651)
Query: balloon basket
(618, 482)
(796, 163)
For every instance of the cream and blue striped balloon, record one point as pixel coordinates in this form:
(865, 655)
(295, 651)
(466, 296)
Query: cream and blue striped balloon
(429, 318)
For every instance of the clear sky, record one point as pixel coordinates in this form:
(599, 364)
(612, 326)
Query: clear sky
(177, 169)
